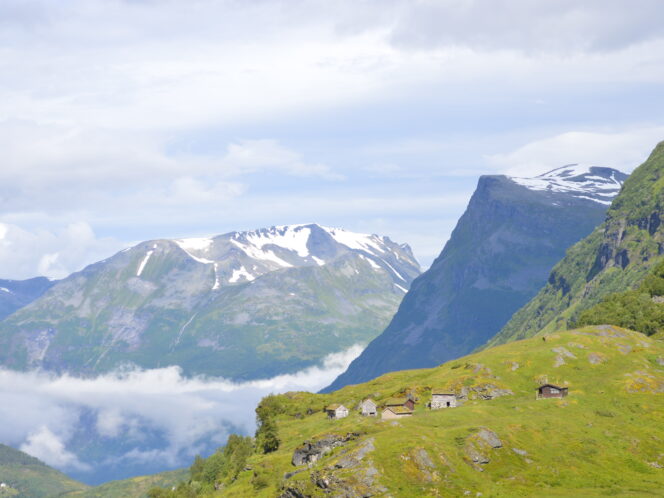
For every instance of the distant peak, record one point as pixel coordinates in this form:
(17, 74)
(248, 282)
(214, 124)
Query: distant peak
(596, 183)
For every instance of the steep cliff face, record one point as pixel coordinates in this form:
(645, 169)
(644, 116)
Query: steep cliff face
(616, 257)
(498, 257)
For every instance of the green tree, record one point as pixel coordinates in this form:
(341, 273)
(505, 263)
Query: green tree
(267, 435)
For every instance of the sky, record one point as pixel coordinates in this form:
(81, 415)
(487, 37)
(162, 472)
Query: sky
(129, 120)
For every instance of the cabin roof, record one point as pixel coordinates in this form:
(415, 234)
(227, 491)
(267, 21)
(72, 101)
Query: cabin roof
(396, 401)
(333, 406)
(551, 385)
(440, 392)
(399, 410)
(369, 400)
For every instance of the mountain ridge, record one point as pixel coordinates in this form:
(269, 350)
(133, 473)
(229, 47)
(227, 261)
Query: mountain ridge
(614, 258)
(244, 304)
(497, 258)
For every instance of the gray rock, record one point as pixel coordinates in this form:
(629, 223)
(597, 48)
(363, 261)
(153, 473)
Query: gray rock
(595, 358)
(311, 451)
(519, 452)
(624, 348)
(491, 438)
(352, 460)
(564, 352)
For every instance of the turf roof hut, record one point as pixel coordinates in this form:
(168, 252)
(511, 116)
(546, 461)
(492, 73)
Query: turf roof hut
(369, 408)
(442, 399)
(336, 411)
(404, 402)
(551, 391)
(392, 412)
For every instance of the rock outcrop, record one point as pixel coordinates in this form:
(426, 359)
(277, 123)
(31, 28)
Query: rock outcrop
(311, 451)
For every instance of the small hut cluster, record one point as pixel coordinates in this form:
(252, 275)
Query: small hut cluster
(395, 408)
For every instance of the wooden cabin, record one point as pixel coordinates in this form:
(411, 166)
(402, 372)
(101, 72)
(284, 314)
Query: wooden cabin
(336, 411)
(551, 391)
(443, 399)
(404, 402)
(392, 412)
(369, 408)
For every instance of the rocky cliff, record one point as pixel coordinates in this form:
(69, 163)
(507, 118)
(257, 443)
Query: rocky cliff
(498, 256)
(616, 257)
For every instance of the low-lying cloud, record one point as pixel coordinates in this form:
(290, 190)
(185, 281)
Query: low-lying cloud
(144, 420)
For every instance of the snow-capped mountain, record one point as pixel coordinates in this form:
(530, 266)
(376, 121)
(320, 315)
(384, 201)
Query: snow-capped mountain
(243, 256)
(241, 305)
(595, 183)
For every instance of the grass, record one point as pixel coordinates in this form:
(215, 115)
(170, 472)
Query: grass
(605, 438)
(26, 476)
(134, 487)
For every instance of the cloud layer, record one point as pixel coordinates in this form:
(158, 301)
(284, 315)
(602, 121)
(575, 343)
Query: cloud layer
(144, 420)
(166, 119)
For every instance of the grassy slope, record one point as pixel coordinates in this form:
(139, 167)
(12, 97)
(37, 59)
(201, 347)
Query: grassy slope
(616, 257)
(135, 487)
(601, 440)
(29, 477)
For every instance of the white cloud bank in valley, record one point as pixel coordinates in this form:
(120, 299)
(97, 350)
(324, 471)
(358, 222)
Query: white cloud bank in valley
(42, 413)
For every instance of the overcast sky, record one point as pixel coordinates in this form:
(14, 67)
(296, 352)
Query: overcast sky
(122, 121)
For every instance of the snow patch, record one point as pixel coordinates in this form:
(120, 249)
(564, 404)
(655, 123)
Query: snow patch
(293, 238)
(358, 241)
(395, 272)
(576, 179)
(5, 289)
(195, 244)
(263, 255)
(373, 264)
(144, 262)
(318, 261)
(401, 288)
(201, 244)
(216, 277)
(242, 272)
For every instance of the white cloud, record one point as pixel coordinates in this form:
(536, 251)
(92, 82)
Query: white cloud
(41, 413)
(46, 446)
(54, 254)
(252, 156)
(623, 150)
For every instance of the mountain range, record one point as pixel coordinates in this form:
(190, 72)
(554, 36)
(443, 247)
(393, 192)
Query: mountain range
(498, 257)
(242, 305)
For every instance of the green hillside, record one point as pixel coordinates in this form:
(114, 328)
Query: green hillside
(605, 438)
(26, 476)
(136, 487)
(615, 258)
